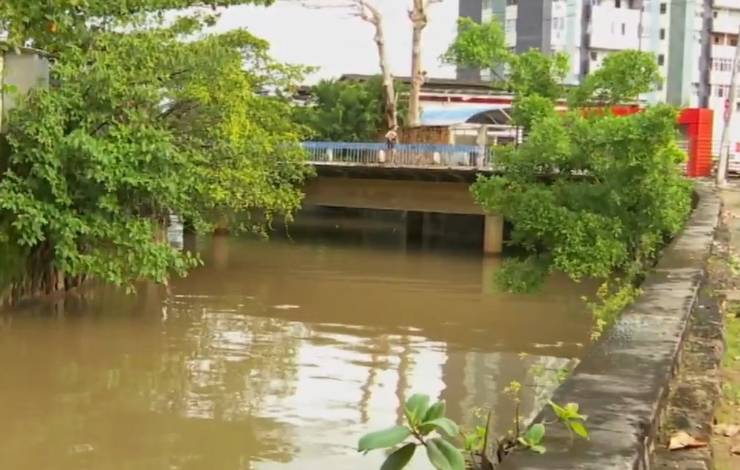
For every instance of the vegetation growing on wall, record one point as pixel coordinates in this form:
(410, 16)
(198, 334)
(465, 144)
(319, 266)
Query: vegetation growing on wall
(589, 193)
(141, 124)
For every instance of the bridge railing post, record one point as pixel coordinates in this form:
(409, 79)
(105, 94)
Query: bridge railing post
(329, 155)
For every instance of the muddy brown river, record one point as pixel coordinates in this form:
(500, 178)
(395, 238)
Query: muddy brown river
(275, 355)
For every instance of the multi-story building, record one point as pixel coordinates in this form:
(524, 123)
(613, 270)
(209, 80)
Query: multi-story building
(724, 26)
(693, 42)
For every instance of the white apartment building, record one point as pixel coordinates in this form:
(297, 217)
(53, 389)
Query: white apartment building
(693, 42)
(725, 21)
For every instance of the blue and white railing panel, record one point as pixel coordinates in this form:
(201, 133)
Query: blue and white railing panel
(401, 155)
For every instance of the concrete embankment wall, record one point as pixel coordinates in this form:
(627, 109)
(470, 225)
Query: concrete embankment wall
(623, 382)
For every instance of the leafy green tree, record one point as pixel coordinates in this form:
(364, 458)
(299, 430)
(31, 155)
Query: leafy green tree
(588, 193)
(591, 195)
(347, 111)
(50, 24)
(143, 124)
(479, 45)
(622, 78)
(534, 73)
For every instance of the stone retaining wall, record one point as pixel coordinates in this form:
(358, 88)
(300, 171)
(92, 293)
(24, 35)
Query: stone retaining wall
(622, 383)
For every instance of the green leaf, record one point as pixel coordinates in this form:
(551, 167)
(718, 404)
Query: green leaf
(444, 456)
(445, 424)
(559, 410)
(382, 439)
(435, 411)
(579, 428)
(571, 409)
(399, 458)
(416, 407)
(535, 434)
(539, 449)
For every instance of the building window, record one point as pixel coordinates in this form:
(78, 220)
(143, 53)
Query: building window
(716, 38)
(624, 29)
(662, 33)
(663, 8)
(733, 40)
(661, 59)
(617, 3)
(594, 55)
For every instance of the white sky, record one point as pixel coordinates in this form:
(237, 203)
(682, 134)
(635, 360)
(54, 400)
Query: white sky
(339, 43)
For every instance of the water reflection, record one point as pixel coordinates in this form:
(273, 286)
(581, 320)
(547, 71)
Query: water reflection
(274, 355)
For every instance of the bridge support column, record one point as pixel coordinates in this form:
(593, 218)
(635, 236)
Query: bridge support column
(493, 234)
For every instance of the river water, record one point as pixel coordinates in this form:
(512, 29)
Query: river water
(276, 354)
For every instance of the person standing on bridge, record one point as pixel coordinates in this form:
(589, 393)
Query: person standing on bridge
(391, 139)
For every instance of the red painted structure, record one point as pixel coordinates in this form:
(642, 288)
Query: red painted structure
(697, 123)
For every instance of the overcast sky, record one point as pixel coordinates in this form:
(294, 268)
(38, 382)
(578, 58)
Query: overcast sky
(339, 43)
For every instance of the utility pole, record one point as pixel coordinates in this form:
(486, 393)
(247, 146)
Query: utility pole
(724, 146)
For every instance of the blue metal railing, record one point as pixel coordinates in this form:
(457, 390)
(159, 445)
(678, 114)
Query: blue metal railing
(401, 155)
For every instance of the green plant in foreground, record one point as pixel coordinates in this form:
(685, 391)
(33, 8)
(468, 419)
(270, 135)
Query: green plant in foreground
(570, 416)
(425, 425)
(533, 437)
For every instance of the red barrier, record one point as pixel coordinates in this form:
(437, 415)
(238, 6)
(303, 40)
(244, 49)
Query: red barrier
(698, 125)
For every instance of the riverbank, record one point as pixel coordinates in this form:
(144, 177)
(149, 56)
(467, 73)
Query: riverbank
(623, 382)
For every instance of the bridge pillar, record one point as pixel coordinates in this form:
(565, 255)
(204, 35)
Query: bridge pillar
(493, 235)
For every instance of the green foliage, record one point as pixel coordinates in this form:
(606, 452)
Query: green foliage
(53, 24)
(529, 110)
(611, 298)
(382, 439)
(598, 193)
(348, 111)
(623, 77)
(423, 421)
(399, 458)
(534, 73)
(570, 416)
(532, 439)
(475, 441)
(477, 45)
(523, 276)
(443, 455)
(141, 125)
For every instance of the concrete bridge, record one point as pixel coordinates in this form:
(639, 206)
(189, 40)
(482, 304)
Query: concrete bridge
(412, 178)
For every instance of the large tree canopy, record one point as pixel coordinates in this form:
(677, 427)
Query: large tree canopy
(588, 193)
(144, 122)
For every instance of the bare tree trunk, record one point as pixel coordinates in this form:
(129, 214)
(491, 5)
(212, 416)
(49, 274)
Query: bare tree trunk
(372, 15)
(419, 21)
(369, 13)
